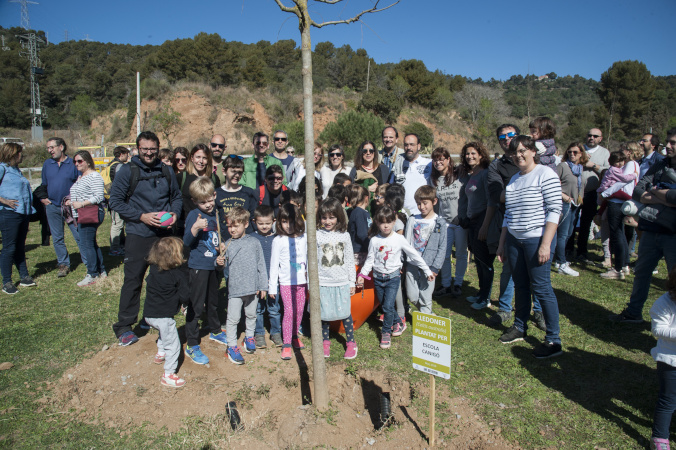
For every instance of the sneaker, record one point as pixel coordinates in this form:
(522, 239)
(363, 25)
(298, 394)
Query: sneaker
(513, 334)
(297, 343)
(195, 353)
(472, 298)
(172, 380)
(381, 318)
(249, 344)
(260, 341)
(500, 317)
(159, 358)
(385, 340)
(327, 348)
(398, 329)
(547, 350)
(143, 324)
(539, 320)
(9, 288)
(127, 338)
(442, 291)
(556, 265)
(626, 270)
(116, 253)
(659, 444)
(566, 270)
(286, 353)
(88, 280)
(607, 263)
(613, 274)
(27, 282)
(235, 356)
(457, 291)
(625, 317)
(103, 275)
(276, 340)
(219, 337)
(481, 305)
(351, 351)
(63, 271)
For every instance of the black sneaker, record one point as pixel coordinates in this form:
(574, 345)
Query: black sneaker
(9, 288)
(539, 320)
(547, 350)
(513, 334)
(624, 317)
(27, 282)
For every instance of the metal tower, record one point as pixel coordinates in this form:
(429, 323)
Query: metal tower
(25, 23)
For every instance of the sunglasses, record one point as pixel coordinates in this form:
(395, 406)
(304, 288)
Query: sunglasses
(281, 139)
(335, 155)
(367, 150)
(235, 157)
(262, 143)
(181, 160)
(275, 178)
(214, 145)
(78, 161)
(503, 137)
(595, 136)
(573, 153)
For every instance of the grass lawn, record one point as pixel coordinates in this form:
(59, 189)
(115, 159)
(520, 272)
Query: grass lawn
(600, 393)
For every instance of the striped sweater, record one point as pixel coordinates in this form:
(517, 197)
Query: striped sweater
(531, 200)
(87, 188)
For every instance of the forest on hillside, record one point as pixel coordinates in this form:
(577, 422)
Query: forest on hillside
(84, 79)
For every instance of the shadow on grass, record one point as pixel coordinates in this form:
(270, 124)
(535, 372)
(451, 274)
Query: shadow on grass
(44, 267)
(371, 393)
(602, 384)
(304, 377)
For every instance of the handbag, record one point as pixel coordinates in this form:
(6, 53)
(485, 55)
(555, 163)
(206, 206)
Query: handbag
(88, 215)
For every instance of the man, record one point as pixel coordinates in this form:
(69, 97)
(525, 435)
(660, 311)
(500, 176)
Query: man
(390, 152)
(411, 171)
(141, 189)
(598, 161)
(58, 175)
(281, 140)
(649, 144)
(255, 167)
(656, 190)
(121, 155)
(218, 147)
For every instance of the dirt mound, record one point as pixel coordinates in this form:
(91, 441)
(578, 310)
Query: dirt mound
(119, 387)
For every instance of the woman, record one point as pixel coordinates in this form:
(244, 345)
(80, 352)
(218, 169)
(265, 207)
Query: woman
(444, 179)
(15, 209)
(87, 193)
(475, 160)
(180, 160)
(299, 172)
(569, 171)
(532, 211)
(200, 164)
(335, 166)
(365, 164)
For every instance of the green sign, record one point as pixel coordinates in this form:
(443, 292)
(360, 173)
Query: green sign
(432, 344)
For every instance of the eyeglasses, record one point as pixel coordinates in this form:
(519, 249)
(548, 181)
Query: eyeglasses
(235, 157)
(281, 139)
(181, 160)
(521, 152)
(149, 149)
(503, 137)
(214, 145)
(573, 153)
(51, 147)
(271, 178)
(595, 136)
(378, 197)
(367, 150)
(335, 155)
(78, 161)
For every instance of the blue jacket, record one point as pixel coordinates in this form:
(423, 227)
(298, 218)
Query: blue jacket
(14, 186)
(154, 193)
(59, 178)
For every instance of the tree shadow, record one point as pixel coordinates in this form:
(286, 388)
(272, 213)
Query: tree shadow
(371, 393)
(404, 411)
(304, 377)
(604, 385)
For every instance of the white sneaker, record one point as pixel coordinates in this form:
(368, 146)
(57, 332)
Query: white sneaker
(566, 270)
(557, 266)
(626, 270)
(88, 280)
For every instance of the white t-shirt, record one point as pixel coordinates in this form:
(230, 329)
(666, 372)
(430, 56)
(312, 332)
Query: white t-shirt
(417, 175)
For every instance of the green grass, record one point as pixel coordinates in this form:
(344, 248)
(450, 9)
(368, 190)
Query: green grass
(601, 392)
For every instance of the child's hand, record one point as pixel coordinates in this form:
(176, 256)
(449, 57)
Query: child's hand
(352, 290)
(432, 277)
(360, 283)
(222, 247)
(220, 260)
(201, 223)
(272, 296)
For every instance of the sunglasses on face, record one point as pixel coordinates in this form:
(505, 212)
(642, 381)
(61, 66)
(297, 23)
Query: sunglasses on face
(214, 145)
(335, 155)
(78, 161)
(595, 136)
(573, 153)
(275, 178)
(503, 137)
(281, 139)
(181, 160)
(367, 150)
(262, 143)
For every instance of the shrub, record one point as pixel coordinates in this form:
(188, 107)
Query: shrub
(424, 133)
(351, 129)
(382, 103)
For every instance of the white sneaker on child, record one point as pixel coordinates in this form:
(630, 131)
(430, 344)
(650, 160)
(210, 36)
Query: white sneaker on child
(172, 380)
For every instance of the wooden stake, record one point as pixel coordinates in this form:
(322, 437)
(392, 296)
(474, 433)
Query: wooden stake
(432, 404)
(218, 224)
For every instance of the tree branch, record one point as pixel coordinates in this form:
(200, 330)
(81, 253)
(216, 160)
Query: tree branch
(288, 9)
(329, 2)
(374, 9)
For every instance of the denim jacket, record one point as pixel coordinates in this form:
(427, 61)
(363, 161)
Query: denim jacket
(14, 186)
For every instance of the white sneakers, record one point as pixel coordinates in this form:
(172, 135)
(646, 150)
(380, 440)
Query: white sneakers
(566, 270)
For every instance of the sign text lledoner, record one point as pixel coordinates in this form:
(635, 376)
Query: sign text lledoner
(432, 344)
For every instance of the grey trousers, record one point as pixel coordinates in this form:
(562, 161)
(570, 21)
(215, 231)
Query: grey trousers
(418, 289)
(168, 342)
(250, 303)
(116, 227)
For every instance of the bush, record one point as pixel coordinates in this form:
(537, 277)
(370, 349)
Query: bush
(382, 103)
(351, 129)
(424, 133)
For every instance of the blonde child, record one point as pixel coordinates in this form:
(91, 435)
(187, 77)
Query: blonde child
(288, 271)
(166, 288)
(336, 273)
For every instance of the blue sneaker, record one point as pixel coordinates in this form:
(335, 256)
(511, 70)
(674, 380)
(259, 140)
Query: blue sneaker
(127, 338)
(220, 338)
(143, 324)
(249, 345)
(472, 298)
(196, 355)
(235, 356)
(481, 305)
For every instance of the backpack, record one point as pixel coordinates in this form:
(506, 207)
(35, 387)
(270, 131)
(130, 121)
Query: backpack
(135, 177)
(108, 174)
(261, 193)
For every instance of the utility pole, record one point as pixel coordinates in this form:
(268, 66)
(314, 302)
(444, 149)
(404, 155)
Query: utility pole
(25, 23)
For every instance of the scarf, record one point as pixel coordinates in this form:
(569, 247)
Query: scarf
(577, 171)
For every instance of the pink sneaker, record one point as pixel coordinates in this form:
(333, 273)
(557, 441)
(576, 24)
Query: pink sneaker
(351, 352)
(159, 359)
(286, 353)
(297, 343)
(172, 380)
(398, 329)
(385, 340)
(327, 349)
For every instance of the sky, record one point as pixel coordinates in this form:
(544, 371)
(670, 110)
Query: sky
(473, 38)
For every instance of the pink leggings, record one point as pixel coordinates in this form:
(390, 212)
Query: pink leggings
(293, 298)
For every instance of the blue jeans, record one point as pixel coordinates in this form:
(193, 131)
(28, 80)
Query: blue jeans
(458, 236)
(386, 286)
(14, 229)
(651, 248)
(273, 308)
(566, 228)
(529, 275)
(507, 290)
(89, 248)
(666, 400)
(56, 221)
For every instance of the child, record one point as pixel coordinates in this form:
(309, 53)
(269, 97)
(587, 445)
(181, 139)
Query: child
(359, 222)
(166, 288)
(336, 273)
(247, 281)
(233, 194)
(264, 218)
(342, 178)
(395, 195)
(201, 237)
(663, 315)
(379, 198)
(426, 232)
(384, 257)
(614, 179)
(338, 192)
(543, 131)
(288, 270)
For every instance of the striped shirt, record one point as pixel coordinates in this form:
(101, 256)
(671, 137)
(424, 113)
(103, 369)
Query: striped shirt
(87, 188)
(531, 200)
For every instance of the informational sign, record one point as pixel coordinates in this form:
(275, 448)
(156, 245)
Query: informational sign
(432, 344)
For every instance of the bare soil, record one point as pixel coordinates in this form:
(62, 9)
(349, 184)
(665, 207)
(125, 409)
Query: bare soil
(119, 387)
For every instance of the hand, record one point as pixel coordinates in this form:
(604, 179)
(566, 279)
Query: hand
(432, 277)
(373, 187)
(272, 296)
(360, 283)
(221, 247)
(262, 294)
(68, 203)
(590, 165)
(543, 254)
(46, 201)
(483, 233)
(220, 260)
(352, 290)
(200, 222)
(500, 253)
(11, 203)
(151, 219)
